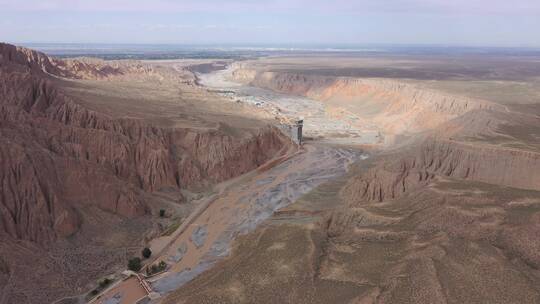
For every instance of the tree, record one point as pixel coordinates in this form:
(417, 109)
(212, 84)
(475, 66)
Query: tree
(134, 264)
(104, 283)
(146, 252)
(161, 212)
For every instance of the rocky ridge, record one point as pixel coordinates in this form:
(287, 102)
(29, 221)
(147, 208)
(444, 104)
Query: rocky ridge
(389, 180)
(58, 158)
(44, 128)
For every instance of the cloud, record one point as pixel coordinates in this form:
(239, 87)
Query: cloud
(281, 6)
(493, 22)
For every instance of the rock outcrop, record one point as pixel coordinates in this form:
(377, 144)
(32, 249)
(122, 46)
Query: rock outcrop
(56, 155)
(80, 68)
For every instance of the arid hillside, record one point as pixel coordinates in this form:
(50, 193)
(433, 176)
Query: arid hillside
(87, 160)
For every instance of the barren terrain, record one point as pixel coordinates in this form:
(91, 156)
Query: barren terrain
(444, 211)
(418, 180)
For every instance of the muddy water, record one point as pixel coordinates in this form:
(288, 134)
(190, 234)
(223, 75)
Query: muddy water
(317, 122)
(245, 204)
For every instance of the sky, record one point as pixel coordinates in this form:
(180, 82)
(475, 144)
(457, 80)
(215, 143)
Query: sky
(508, 23)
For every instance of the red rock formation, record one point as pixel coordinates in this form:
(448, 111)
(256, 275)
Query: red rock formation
(69, 174)
(57, 155)
(80, 68)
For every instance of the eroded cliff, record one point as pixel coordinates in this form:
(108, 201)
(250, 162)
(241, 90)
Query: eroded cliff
(59, 160)
(395, 174)
(394, 106)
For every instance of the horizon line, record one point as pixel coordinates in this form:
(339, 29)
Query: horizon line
(279, 44)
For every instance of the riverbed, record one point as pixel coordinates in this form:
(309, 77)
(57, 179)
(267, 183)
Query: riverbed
(240, 205)
(250, 199)
(318, 123)
(243, 205)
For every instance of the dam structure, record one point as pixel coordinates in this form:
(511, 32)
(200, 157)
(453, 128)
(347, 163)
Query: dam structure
(296, 131)
(293, 130)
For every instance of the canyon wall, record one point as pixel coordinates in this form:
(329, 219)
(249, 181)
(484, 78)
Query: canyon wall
(398, 173)
(57, 156)
(395, 107)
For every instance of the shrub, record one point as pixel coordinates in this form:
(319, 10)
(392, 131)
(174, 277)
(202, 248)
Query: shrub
(146, 252)
(161, 212)
(104, 283)
(156, 268)
(134, 264)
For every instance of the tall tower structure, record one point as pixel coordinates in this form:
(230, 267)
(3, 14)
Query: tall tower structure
(298, 126)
